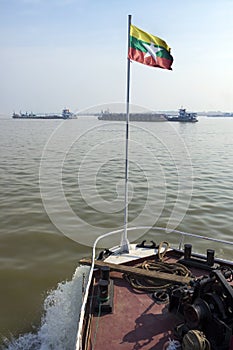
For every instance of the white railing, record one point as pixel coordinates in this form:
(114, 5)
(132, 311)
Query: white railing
(179, 247)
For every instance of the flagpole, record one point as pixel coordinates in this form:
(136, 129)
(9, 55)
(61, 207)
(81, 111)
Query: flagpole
(124, 240)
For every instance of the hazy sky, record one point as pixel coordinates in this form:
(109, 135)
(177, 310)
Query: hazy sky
(72, 53)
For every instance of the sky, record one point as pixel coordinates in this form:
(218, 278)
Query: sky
(73, 53)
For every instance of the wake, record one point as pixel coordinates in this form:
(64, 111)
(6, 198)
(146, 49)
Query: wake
(60, 321)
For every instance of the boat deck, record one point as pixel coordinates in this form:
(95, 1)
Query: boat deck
(138, 320)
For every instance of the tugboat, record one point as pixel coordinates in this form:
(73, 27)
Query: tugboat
(183, 116)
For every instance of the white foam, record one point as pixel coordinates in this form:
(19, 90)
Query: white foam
(60, 321)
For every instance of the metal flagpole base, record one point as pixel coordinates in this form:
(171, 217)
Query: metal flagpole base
(124, 247)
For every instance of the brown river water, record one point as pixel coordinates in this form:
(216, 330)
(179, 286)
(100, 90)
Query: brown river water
(62, 185)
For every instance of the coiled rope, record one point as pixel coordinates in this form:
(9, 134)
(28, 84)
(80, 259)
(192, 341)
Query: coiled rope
(151, 285)
(195, 340)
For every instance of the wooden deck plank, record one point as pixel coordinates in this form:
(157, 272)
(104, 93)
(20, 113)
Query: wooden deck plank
(140, 272)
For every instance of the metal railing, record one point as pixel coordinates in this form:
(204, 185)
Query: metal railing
(180, 242)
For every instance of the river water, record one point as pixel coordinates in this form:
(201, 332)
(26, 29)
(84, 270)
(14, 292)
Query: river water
(62, 185)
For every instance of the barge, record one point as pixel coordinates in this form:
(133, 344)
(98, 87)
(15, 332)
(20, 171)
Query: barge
(66, 114)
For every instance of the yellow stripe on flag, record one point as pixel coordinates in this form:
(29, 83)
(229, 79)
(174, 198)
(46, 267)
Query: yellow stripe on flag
(149, 38)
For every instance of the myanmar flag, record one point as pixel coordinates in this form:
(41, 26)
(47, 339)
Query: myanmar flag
(149, 49)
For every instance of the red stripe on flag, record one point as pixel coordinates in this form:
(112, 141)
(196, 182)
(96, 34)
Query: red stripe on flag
(139, 56)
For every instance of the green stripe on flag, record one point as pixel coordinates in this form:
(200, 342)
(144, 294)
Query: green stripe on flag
(138, 45)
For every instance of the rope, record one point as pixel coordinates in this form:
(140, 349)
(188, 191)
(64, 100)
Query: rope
(172, 345)
(161, 254)
(151, 285)
(97, 326)
(195, 340)
(146, 284)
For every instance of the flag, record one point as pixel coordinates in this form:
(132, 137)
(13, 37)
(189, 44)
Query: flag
(149, 49)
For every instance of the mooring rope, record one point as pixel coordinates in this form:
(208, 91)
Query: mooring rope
(142, 283)
(195, 340)
(147, 284)
(97, 326)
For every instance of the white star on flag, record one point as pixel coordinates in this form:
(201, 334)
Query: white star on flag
(152, 50)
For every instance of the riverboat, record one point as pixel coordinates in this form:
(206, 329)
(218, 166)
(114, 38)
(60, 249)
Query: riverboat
(183, 117)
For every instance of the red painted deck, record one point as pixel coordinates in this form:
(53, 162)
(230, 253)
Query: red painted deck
(137, 322)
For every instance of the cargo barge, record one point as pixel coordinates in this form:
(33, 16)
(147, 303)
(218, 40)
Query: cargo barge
(66, 114)
(138, 117)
